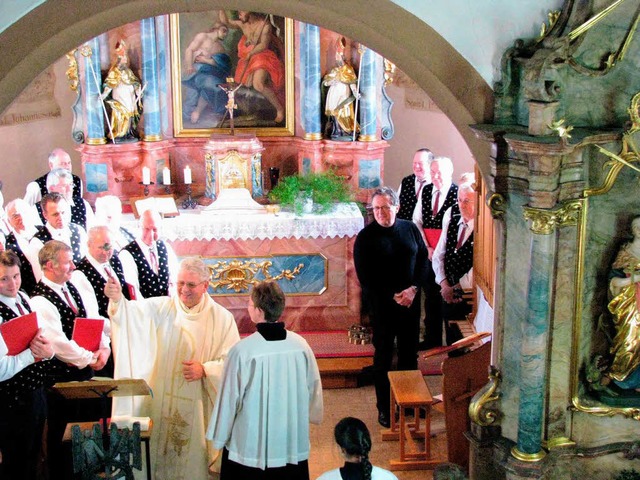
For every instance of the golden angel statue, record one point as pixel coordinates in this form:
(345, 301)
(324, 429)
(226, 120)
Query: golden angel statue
(126, 96)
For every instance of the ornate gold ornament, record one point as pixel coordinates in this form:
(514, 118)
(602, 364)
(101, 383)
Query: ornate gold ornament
(544, 221)
(552, 18)
(389, 71)
(561, 129)
(238, 275)
(72, 70)
(478, 411)
(497, 204)
(528, 457)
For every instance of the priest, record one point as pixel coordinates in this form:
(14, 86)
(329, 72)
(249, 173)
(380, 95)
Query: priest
(177, 344)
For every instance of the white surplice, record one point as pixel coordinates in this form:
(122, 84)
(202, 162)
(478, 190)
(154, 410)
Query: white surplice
(151, 339)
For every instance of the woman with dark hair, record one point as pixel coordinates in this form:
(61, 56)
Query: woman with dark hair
(352, 436)
(270, 392)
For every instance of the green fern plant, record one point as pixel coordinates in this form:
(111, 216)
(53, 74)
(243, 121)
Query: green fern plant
(326, 189)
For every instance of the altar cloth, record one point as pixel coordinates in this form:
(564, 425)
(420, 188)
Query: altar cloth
(345, 220)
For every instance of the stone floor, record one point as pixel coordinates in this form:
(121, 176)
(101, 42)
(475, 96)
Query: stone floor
(360, 402)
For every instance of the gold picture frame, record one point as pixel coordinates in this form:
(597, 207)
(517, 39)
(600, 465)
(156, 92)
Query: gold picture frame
(255, 114)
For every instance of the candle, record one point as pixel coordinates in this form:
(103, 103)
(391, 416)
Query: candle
(187, 175)
(146, 176)
(166, 176)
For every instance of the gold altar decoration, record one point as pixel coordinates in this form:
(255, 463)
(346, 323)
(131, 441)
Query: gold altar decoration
(528, 457)
(478, 411)
(238, 275)
(544, 221)
(561, 129)
(552, 17)
(233, 171)
(72, 70)
(497, 204)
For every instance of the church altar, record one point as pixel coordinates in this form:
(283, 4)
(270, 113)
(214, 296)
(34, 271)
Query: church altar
(311, 257)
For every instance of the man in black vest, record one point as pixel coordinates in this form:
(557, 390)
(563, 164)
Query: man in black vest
(58, 303)
(23, 377)
(92, 273)
(57, 227)
(437, 198)
(391, 260)
(60, 181)
(149, 263)
(410, 190)
(20, 232)
(453, 258)
(37, 189)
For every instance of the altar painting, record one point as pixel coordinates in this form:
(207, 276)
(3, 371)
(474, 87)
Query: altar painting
(208, 50)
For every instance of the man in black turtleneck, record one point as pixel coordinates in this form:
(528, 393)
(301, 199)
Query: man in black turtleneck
(391, 261)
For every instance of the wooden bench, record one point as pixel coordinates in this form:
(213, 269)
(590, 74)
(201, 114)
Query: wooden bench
(409, 390)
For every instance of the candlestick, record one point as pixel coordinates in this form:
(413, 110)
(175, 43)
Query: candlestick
(146, 176)
(189, 202)
(166, 176)
(146, 188)
(167, 188)
(187, 175)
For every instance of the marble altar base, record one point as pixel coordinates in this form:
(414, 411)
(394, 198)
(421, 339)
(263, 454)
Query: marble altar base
(336, 308)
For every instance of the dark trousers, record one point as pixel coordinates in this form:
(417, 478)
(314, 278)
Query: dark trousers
(230, 470)
(432, 312)
(21, 427)
(390, 324)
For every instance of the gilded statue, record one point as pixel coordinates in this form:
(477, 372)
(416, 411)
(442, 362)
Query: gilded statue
(624, 288)
(125, 102)
(341, 96)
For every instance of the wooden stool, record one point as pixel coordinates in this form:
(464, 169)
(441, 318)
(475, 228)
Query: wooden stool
(409, 390)
(144, 438)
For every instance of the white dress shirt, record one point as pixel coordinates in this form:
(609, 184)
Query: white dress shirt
(437, 261)
(68, 350)
(63, 235)
(10, 365)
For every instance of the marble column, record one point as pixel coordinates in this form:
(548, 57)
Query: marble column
(369, 100)
(535, 335)
(150, 97)
(310, 60)
(92, 87)
(164, 64)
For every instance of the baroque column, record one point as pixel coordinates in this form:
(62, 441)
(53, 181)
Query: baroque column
(151, 97)
(92, 83)
(310, 59)
(369, 91)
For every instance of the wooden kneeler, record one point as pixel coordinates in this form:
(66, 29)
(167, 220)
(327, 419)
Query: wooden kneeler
(409, 390)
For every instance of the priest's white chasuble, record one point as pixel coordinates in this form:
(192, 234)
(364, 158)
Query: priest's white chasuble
(151, 338)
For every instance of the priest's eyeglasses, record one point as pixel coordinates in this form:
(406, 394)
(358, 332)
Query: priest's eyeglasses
(189, 285)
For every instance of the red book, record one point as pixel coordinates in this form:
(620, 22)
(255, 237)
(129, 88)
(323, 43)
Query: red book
(18, 332)
(87, 332)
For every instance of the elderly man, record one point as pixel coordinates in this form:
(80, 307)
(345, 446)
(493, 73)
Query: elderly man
(391, 261)
(410, 191)
(58, 303)
(58, 158)
(57, 227)
(109, 213)
(92, 273)
(148, 262)
(60, 180)
(437, 199)
(22, 381)
(453, 258)
(21, 230)
(178, 344)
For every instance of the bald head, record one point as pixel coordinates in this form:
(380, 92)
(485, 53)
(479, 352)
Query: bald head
(150, 222)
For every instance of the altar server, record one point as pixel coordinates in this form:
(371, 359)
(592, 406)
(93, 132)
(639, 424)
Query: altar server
(270, 392)
(148, 261)
(177, 344)
(22, 381)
